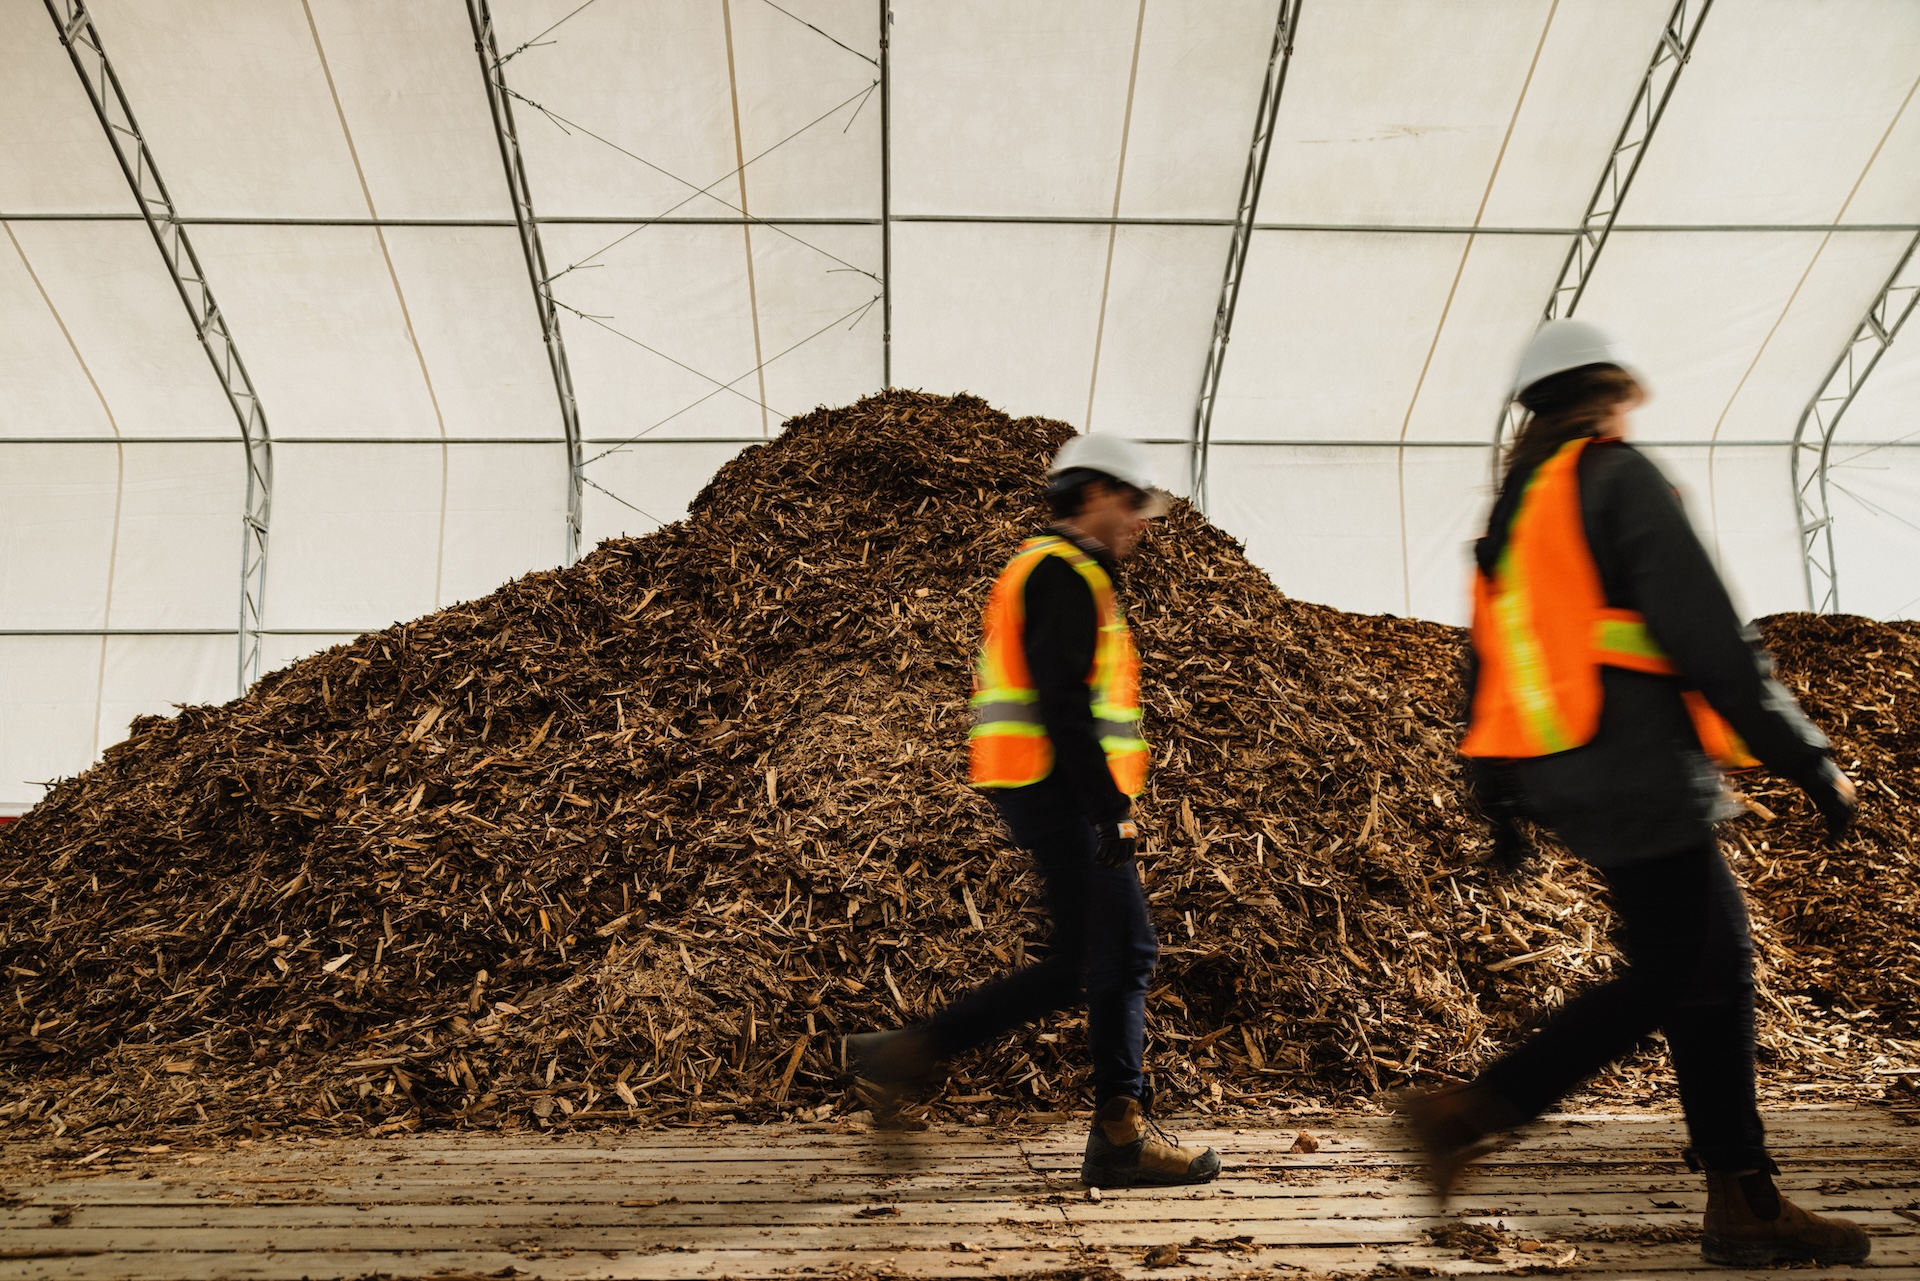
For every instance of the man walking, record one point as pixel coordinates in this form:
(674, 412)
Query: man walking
(1056, 743)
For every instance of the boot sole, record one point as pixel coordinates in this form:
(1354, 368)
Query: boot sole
(1097, 1178)
(1760, 1254)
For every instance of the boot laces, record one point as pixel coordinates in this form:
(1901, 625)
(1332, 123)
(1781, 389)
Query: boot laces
(1159, 1131)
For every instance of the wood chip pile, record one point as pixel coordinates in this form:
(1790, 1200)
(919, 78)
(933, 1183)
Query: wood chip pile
(642, 837)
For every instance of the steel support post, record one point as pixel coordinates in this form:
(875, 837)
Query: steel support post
(501, 104)
(82, 41)
(1670, 56)
(1811, 457)
(1250, 183)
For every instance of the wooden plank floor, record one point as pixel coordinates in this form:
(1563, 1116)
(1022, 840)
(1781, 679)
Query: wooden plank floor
(1590, 1195)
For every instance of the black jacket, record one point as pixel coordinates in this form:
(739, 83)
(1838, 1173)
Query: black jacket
(1643, 788)
(1062, 631)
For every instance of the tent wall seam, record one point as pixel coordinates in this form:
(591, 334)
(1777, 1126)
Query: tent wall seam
(1446, 308)
(746, 222)
(102, 85)
(119, 483)
(399, 295)
(1113, 228)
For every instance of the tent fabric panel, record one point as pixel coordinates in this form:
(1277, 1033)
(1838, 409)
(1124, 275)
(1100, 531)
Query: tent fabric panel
(1887, 406)
(506, 516)
(49, 697)
(1590, 68)
(1310, 516)
(1741, 505)
(65, 699)
(47, 392)
(283, 649)
(650, 80)
(1876, 533)
(1331, 334)
(356, 535)
(314, 314)
(819, 321)
(1445, 495)
(177, 562)
(1394, 133)
(56, 535)
(661, 334)
(1007, 108)
(233, 101)
(114, 297)
(1814, 327)
(478, 327)
(1005, 311)
(1779, 113)
(410, 88)
(1734, 329)
(1162, 291)
(153, 675)
(645, 486)
(1202, 63)
(788, 78)
(54, 157)
(1476, 336)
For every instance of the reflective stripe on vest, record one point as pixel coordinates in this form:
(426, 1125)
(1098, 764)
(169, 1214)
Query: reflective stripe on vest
(1009, 744)
(1542, 630)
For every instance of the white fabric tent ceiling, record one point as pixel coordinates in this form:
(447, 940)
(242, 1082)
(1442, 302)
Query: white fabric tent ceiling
(1046, 225)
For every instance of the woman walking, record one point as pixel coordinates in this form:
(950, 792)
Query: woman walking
(1608, 666)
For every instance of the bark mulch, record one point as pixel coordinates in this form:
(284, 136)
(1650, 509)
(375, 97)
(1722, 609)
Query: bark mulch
(640, 838)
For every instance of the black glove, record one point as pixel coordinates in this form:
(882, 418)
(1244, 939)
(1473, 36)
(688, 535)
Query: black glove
(1834, 805)
(1117, 842)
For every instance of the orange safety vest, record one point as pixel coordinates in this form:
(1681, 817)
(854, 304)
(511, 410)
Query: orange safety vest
(1009, 744)
(1542, 631)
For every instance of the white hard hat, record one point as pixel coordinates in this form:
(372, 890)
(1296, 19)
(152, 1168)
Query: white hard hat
(1114, 456)
(1560, 345)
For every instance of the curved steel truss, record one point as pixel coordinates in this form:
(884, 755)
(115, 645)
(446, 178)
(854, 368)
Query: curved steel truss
(1812, 510)
(1256, 174)
(1670, 56)
(110, 104)
(499, 100)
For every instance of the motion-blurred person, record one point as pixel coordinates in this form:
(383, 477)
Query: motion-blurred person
(1607, 666)
(1057, 744)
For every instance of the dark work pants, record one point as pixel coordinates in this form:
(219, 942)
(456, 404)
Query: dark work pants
(1689, 973)
(1102, 948)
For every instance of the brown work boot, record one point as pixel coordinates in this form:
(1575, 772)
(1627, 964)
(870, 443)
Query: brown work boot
(884, 1064)
(1125, 1149)
(1454, 1126)
(1750, 1225)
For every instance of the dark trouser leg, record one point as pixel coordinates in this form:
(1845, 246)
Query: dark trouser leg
(1102, 945)
(1122, 950)
(1689, 973)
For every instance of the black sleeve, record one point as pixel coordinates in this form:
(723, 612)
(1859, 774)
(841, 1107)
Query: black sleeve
(1652, 561)
(1061, 633)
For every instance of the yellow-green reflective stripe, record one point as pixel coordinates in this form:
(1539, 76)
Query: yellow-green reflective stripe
(1622, 637)
(1004, 695)
(1008, 729)
(1532, 690)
